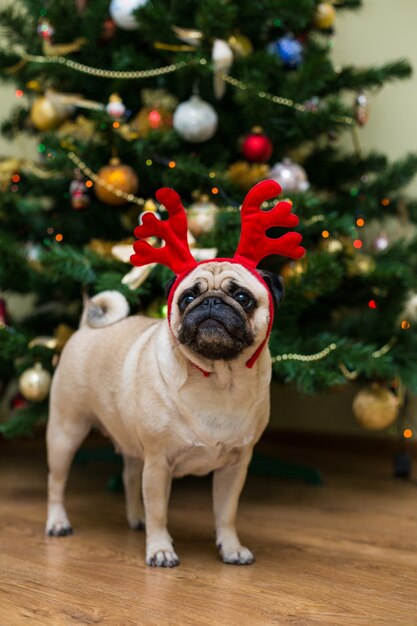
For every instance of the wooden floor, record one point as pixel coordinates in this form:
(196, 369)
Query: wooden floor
(340, 554)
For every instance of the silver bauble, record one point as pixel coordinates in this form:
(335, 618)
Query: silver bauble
(201, 216)
(195, 120)
(291, 176)
(121, 12)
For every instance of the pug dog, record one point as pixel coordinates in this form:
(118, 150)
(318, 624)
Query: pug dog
(184, 395)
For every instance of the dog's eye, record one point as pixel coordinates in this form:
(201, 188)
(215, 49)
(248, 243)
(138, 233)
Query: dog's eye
(244, 299)
(186, 299)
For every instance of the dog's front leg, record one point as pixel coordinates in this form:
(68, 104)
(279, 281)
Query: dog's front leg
(157, 478)
(227, 484)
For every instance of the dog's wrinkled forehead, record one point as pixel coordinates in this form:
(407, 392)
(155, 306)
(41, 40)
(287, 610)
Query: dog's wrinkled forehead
(218, 276)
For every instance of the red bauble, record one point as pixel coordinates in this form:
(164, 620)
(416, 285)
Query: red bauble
(18, 402)
(257, 147)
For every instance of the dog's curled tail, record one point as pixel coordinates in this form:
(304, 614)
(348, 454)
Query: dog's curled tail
(104, 309)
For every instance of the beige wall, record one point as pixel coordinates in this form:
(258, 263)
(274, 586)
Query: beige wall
(382, 31)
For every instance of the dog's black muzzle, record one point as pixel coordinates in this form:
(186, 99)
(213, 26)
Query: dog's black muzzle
(215, 329)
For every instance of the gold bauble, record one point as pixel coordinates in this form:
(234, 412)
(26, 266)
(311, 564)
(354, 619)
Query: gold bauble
(360, 265)
(45, 115)
(121, 177)
(240, 44)
(292, 270)
(244, 175)
(375, 407)
(325, 16)
(151, 118)
(331, 245)
(34, 383)
(201, 216)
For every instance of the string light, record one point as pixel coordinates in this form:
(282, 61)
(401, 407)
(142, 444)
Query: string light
(50, 230)
(357, 244)
(116, 124)
(18, 93)
(405, 324)
(215, 190)
(59, 237)
(172, 164)
(148, 162)
(360, 222)
(15, 178)
(385, 201)
(372, 304)
(88, 183)
(408, 433)
(325, 234)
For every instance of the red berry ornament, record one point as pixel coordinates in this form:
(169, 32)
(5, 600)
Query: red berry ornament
(257, 147)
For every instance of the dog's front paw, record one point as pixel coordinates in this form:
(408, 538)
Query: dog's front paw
(237, 556)
(58, 524)
(162, 558)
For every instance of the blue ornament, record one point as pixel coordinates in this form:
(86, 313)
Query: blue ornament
(289, 50)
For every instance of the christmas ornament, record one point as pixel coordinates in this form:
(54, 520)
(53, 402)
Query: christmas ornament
(257, 146)
(201, 216)
(115, 177)
(115, 107)
(47, 113)
(331, 245)
(156, 113)
(292, 270)
(78, 192)
(361, 108)
(289, 50)
(108, 32)
(4, 318)
(121, 12)
(149, 119)
(360, 265)
(244, 175)
(45, 29)
(375, 407)
(18, 402)
(410, 309)
(195, 120)
(34, 383)
(240, 44)
(222, 60)
(291, 176)
(325, 16)
(382, 242)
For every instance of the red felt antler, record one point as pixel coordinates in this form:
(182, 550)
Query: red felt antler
(175, 254)
(254, 244)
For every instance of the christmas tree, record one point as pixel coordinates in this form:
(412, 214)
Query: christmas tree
(208, 98)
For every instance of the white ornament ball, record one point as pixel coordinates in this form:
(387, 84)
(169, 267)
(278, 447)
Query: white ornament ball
(195, 120)
(121, 12)
(201, 216)
(291, 176)
(34, 383)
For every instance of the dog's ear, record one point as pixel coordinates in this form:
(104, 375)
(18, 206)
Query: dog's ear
(275, 285)
(169, 285)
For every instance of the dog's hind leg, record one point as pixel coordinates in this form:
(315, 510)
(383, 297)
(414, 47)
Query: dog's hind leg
(64, 436)
(132, 480)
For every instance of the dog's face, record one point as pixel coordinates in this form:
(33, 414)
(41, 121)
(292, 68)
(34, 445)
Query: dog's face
(221, 308)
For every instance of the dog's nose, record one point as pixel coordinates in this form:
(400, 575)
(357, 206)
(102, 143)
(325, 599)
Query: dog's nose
(212, 302)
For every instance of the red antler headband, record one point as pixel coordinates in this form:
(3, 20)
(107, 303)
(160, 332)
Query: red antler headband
(254, 243)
